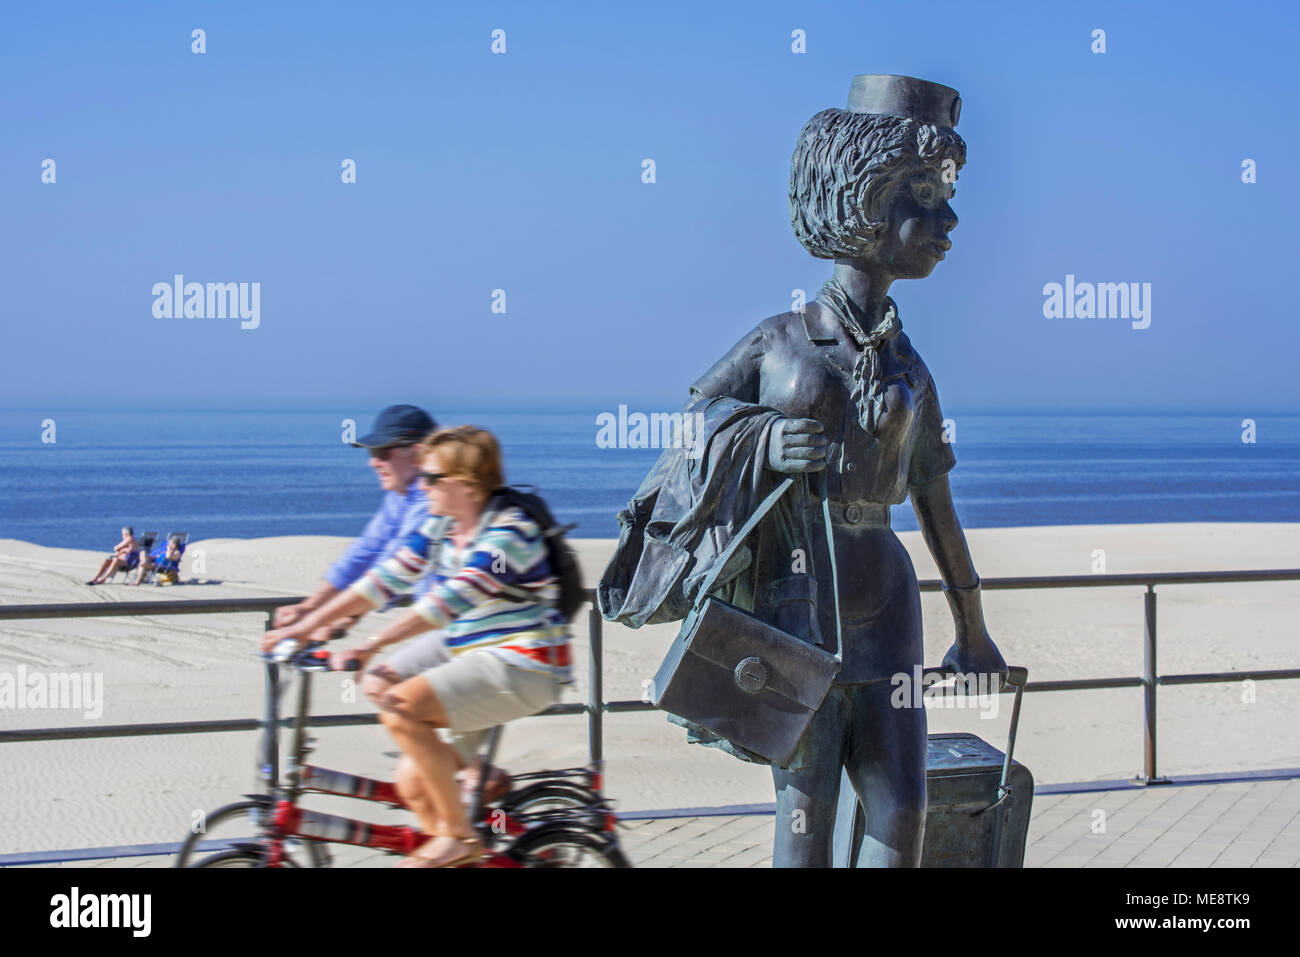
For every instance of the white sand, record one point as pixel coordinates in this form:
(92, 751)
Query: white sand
(67, 794)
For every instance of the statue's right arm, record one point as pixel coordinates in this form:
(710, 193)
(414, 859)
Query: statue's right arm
(736, 374)
(793, 445)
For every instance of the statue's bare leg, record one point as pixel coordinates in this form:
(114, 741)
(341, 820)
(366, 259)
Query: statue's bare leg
(886, 765)
(806, 799)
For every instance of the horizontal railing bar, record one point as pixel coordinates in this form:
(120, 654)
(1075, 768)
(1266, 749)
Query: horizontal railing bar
(1130, 578)
(187, 606)
(1214, 677)
(200, 606)
(133, 730)
(219, 725)
(627, 707)
(1083, 684)
(610, 707)
(120, 609)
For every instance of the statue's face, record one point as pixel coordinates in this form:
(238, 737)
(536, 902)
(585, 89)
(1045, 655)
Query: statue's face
(917, 221)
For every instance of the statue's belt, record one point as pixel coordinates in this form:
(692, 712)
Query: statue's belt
(858, 513)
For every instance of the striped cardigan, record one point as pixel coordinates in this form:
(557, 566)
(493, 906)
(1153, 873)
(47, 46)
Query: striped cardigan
(466, 600)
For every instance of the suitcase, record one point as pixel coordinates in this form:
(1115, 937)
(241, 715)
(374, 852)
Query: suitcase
(979, 801)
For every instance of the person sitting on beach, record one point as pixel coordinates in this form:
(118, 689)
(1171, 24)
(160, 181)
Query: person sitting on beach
(166, 559)
(124, 556)
(395, 460)
(145, 562)
(509, 654)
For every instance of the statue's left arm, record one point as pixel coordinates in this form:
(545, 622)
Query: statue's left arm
(932, 458)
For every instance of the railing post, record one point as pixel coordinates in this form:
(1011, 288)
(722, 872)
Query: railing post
(271, 721)
(595, 687)
(1149, 775)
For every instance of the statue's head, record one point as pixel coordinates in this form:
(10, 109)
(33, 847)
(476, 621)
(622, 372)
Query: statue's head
(873, 182)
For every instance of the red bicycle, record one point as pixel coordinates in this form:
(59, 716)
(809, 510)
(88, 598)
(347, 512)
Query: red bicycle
(554, 818)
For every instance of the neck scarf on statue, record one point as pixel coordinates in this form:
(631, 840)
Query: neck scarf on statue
(868, 391)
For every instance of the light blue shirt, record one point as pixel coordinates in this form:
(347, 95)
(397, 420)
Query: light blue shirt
(400, 514)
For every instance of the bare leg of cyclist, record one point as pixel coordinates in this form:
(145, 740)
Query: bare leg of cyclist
(411, 710)
(376, 683)
(410, 785)
(436, 763)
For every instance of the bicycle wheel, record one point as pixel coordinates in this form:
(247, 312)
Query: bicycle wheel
(247, 855)
(235, 857)
(546, 795)
(536, 804)
(566, 845)
(238, 821)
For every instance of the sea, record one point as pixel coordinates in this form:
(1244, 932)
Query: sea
(73, 478)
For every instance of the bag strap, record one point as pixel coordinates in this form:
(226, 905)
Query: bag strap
(739, 537)
(835, 573)
(550, 537)
(748, 527)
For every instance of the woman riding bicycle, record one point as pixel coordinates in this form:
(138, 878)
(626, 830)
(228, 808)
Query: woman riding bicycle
(493, 596)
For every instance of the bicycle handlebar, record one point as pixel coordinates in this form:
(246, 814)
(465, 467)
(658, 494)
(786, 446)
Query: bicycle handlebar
(290, 652)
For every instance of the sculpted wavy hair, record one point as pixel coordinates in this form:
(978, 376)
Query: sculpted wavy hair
(843, 171)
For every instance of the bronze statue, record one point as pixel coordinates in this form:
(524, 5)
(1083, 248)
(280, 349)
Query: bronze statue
(836, 388)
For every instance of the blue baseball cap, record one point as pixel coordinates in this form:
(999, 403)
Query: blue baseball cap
(397, 425)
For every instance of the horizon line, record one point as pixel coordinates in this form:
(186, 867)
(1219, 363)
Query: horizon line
(574, 407)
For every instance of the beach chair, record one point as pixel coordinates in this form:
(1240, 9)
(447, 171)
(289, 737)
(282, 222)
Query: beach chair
(145, 541)
(164, 571)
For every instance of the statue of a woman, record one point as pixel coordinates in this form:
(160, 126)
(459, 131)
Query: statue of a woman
(870, 187)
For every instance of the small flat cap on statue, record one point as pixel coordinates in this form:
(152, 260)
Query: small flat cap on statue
(920, 100)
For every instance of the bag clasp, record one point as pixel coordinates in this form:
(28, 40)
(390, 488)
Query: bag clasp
(751, 674)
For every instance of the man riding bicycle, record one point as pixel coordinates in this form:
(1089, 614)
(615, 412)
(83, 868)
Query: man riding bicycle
(394, 456)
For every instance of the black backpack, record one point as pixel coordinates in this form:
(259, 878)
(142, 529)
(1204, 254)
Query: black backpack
(559, 553)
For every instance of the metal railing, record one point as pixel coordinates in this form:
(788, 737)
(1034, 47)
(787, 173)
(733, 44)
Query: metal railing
(596, 707)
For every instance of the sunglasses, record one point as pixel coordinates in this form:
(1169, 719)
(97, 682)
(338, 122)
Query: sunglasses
(433, 478)
(383, 452)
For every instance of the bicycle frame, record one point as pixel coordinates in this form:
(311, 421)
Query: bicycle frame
(280, 819)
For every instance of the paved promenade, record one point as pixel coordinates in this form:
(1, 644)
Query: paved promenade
(1229, 824)
(1239, 824)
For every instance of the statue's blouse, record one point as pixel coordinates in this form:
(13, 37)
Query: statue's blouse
(803, 366)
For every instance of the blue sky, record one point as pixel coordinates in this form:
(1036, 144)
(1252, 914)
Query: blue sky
(522, 172)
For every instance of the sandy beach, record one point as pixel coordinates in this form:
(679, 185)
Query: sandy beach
(69, 794)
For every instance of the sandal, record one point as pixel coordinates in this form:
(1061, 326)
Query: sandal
(475, 853)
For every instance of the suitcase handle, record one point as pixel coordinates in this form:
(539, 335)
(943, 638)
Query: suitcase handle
(1004, 792)
(1017, 678)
